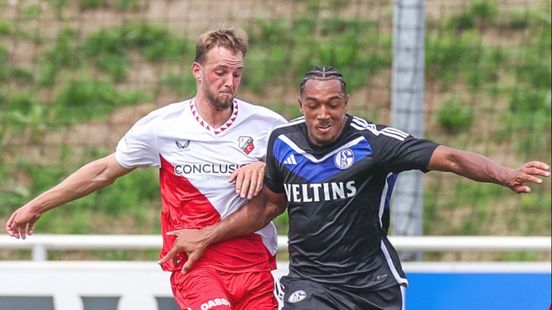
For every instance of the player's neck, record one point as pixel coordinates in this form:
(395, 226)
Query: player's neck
(214, 117)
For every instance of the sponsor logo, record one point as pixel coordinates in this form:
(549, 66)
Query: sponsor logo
(344, 159)
(211, 169)
(382, 276)
(314, 192)
(246, 144)
(297, 296)
(183, 145)
(214, 302)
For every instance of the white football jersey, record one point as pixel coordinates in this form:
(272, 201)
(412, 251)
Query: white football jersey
(195, 162)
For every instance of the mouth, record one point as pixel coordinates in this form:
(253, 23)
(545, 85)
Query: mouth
(226, 96)
(324, 127)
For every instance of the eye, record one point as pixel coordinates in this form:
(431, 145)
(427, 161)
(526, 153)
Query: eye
(334, 104)
(311, 105)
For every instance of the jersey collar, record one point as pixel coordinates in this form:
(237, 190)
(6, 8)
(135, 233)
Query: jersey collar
(204, 124)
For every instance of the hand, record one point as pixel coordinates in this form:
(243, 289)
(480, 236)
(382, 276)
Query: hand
(21, 222)
(528, 172)
(249, 179)
(191, 241)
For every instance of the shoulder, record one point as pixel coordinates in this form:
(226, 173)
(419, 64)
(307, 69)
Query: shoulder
(369, 129)
(259, 112)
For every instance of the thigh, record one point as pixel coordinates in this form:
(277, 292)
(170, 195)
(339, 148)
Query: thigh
(199, 289)
(254, 291)
(300, 294)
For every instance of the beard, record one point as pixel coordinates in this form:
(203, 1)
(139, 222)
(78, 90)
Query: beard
(219, 103)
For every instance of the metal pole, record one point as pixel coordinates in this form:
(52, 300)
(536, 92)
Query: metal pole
(407, 103)
(39, 253)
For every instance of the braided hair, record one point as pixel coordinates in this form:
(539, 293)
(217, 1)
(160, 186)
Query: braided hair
(324, 73)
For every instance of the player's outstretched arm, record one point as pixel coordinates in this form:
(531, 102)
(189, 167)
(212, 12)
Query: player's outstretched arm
(85, 180)
(256, 214)
(249, 179)
(480, 168)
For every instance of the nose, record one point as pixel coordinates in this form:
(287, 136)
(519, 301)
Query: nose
(323, 113)
(229, 81)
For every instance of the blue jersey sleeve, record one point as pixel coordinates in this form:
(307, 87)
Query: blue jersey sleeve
(273, 171)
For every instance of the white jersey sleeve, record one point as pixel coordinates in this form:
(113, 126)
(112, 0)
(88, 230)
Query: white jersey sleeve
(138, 147)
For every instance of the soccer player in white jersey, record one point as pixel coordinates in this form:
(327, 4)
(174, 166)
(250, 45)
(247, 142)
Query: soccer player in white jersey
(199, 145)
(334, 173)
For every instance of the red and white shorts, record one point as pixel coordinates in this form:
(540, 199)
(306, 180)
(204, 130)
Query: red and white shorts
(203, 288)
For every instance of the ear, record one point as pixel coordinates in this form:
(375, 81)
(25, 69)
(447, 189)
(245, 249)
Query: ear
(347, 103)
(196, 71)
(300, 104)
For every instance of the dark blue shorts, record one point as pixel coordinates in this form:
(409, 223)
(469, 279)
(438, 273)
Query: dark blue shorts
(301, 294)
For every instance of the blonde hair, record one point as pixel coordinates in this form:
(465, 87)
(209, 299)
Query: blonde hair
(232, 39)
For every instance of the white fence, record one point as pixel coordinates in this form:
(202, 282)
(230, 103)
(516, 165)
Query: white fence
(40, 244)
(141, 285)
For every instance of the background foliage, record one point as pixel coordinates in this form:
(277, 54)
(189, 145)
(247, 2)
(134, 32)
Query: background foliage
(76, 74)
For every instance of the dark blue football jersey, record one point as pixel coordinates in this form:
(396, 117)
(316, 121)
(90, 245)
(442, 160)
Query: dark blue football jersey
(338, 199)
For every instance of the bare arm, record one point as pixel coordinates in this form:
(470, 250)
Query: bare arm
(85, 180)
(256, 214)
(249, 179)
(480, 168)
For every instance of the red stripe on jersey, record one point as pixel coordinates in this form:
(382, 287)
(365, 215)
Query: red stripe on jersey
(185, 207)
(183, 204)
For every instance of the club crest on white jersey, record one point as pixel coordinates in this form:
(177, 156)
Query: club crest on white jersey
(246, 144)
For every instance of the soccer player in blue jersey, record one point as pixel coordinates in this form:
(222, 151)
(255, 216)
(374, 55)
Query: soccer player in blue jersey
(334, 173)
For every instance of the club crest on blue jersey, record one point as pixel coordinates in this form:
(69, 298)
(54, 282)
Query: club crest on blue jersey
(319, 169)
(297, 296)
(246, 144)
(344, 159)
